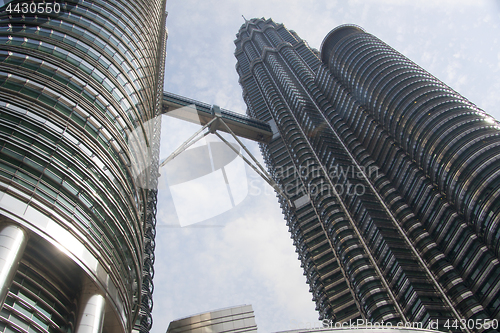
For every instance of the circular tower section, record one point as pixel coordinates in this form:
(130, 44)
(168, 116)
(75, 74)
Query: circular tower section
(80, 85)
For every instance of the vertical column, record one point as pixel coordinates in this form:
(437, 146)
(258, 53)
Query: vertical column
(13, 241)
(91, 309)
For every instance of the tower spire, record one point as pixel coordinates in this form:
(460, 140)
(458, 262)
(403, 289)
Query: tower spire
(246, 21)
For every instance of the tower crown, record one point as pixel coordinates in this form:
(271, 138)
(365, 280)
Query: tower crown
(334, 36)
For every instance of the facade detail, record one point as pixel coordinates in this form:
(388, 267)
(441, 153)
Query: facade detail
(73, 86)
(391, 178)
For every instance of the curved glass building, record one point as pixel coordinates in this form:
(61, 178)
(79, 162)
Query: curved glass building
(79, 88)
(392, 178)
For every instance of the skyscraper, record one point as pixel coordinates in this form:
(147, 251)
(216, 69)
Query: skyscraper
(78, 81)
(391, 178)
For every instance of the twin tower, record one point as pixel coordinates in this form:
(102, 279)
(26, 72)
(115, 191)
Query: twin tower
(392, 178)
(389, 180)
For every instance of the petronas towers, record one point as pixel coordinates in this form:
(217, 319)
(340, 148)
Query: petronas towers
(390, 178)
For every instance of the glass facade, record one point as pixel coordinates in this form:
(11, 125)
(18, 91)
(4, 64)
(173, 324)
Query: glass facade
(236, 319)
(393, 177)
(74, 85)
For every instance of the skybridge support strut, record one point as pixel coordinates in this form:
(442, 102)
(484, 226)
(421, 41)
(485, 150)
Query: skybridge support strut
(212, 127)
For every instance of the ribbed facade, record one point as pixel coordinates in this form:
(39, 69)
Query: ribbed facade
(392, 178)
(74, 85)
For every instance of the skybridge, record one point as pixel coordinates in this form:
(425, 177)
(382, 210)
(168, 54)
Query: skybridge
(241, 125)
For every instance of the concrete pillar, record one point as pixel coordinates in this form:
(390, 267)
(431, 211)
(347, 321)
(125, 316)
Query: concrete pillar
(13, 241)
(91, 309)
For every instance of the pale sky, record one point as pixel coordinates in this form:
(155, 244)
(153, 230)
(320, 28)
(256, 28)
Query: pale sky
(249, 257)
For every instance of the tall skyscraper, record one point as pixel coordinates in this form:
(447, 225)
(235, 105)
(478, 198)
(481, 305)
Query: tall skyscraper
(391, 178)
(78, 81)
